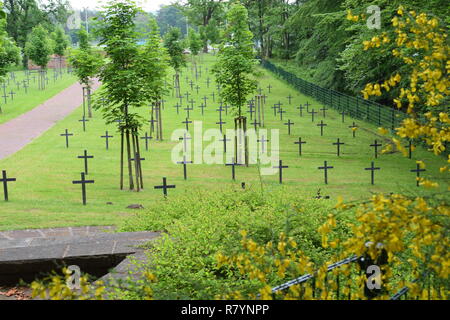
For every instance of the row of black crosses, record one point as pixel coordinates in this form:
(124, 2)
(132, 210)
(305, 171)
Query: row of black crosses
(10, 82)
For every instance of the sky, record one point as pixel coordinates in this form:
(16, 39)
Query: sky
(147, 5)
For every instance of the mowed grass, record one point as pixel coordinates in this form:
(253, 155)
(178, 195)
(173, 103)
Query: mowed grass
(25, 100)
(44, 195)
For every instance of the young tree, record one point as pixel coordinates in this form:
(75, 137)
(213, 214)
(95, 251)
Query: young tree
(39, 49)
(9, 52)
(86, 64)
(61, 44)
(154, 65)
(195, 45)
(173, 43)
(129, 80)
(235, 68)
(202, 12)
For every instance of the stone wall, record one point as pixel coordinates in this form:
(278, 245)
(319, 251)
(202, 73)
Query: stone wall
(54, 63)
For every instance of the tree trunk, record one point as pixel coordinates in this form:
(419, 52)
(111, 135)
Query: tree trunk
(130, 169)
(122, 136)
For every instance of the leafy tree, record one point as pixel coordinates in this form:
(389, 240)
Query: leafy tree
(83, 40)
(170, 16)
(235, 66)
(39, 49)
(9, 52)
(154, 68)
(202, 12)
(195, 43)
(86, 64)
(127, 80)
(61, 44)
(174, 45)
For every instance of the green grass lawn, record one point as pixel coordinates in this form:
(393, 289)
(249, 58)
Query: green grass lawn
(44, 195)
(27, 99)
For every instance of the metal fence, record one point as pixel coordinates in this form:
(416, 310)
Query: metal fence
(358, 108)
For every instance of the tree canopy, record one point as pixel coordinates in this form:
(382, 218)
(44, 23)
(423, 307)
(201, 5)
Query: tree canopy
(235, 67)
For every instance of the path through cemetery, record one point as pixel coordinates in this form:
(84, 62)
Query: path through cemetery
(19, 132)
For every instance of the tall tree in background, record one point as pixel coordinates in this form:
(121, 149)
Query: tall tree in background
(24, 15)
(195, 45)
(86, 64)
(235, 70)
(174, 45)
(61, 44)
(202, 12)
(154, 69)
(171, 16)
(9, 52)
(39, 49)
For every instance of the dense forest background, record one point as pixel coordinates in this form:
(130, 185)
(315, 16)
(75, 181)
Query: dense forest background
(311, 38)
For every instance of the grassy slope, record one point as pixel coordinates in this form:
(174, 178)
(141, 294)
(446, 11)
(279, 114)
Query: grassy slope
(44, 196)
(26, 101)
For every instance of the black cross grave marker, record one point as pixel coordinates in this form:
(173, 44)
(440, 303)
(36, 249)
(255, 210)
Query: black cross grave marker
(300, 143)
(324, 109)
(343, 116)
(269, 87)
(220, 123)
(225, 140)
(147, 138)
(255, 124)
(325, 168)
(205, 98)
(410, 149)
(213, 95)
(137, 156)
(375, 145)
(300, 108)
(5, 181)
(12, 93)
(84, 120)
(83, 183)
(281, 111)
(202, 106)
(178, 108)
(289, 98)
(85, 157)
(185, 138)
(418, 170)
(281, 167)
(67, 135)
(187, 123)
(372, 172)
(263, 143)
(313, 113)
(275, 108)
(321, 125)
(106, 137)
(338, 144)
(233, 164)
(187, 109)
(289, 124)
(354, 127)
(165, 187)
(307, 106)
(185, 163)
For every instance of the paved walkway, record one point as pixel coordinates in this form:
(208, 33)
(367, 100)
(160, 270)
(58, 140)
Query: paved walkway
(25, 253)
(17, 133)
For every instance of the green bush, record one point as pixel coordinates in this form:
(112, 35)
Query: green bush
(199, 225)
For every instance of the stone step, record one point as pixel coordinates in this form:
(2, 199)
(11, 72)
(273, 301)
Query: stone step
(26, 253)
